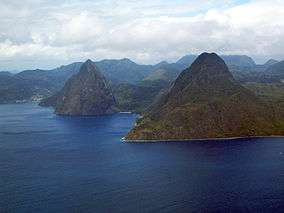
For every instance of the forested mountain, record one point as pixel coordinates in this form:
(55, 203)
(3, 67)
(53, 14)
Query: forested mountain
(206, 101)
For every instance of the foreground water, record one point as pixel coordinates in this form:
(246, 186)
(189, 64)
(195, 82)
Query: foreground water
(62, 164)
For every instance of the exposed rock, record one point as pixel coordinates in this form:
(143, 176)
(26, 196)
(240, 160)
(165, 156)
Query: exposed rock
(86, 93)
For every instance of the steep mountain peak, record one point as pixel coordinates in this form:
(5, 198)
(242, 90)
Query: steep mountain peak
(86, 93)
(209, 63)
(89, 61)
(208, 58)
(231, 60)
(208, 76)
(207, 71)
(90, 67)
(206, 102)
(205, 55)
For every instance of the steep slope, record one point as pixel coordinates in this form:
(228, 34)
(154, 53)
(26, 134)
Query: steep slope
(86, 93)
(206, 102)
(243, 67)
(186, 60)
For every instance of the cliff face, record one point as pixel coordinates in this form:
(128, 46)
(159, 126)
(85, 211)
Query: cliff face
(86, 93)
(206, 102)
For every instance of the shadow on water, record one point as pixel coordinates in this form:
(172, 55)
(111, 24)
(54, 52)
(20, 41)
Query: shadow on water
(94, 121)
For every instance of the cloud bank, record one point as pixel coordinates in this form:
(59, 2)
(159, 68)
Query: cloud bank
(45, 34)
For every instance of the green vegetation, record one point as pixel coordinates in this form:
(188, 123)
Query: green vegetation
(270, 91)
(137, 98)
(206, 102)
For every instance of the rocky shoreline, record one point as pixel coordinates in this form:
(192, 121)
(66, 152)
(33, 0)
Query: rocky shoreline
(198, 139)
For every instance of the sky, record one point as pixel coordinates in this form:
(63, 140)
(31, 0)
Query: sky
(46, 34)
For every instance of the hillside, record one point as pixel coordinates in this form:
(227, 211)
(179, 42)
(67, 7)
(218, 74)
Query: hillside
(206, 102)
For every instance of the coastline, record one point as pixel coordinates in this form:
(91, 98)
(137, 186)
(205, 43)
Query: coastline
(198, 139)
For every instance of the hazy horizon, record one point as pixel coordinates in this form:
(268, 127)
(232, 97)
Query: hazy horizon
(48, 34)
(59, 65)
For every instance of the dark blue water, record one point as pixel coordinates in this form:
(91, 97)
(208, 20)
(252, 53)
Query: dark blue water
(62, 164)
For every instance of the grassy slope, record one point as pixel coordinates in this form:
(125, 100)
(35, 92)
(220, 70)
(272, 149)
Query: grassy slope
(269, 91)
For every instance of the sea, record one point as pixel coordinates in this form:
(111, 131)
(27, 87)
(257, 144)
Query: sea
(51, 163)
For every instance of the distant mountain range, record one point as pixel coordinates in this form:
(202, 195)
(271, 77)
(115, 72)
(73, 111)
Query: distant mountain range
(205, 101)
(276, 70)
(38, 84)
(231, 60)
(5, 73)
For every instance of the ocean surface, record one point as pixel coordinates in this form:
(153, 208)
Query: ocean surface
(53, 164)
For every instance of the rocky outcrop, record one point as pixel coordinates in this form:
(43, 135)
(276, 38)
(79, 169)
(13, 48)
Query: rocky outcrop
(86, 93)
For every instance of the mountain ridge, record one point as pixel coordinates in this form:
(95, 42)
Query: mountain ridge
(37, 84)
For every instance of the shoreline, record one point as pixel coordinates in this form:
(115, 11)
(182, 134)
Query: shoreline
(198, 139)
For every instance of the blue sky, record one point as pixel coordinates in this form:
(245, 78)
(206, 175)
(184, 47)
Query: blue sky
(45, 34)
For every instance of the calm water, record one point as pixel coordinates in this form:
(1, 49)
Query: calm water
(62, 164)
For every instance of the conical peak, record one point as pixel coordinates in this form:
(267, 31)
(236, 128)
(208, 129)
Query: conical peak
(88, 65)
(206, 72)
(209, 63)
(209, 58)
(89, 61)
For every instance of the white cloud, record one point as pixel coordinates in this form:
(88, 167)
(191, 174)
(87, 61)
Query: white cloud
(49, 33)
